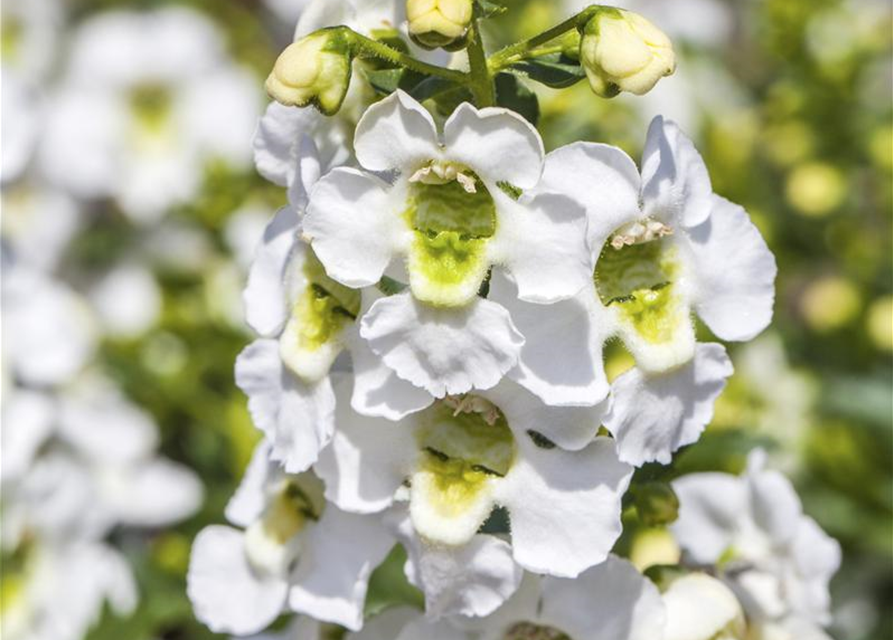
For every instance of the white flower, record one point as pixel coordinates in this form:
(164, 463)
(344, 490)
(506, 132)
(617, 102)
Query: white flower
(306, 321)
(464, 456)
(777, 560)
(147, 100)
(292, 549)
(57, 591)
(446, 217)
(21, 106)
(700, 607)
(127, 300)
(611, 601)
(663, 246)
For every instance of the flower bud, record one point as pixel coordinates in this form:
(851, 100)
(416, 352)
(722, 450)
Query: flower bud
(314, 70)
(438, 23)
(622, 51)
(656, 503)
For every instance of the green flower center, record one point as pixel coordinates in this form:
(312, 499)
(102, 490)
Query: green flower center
(639, 280)
(465, 442)
(447, 261)
(288, 513)
(14, 577)
(323, 308)
(530, 631)
(11, 33)
(151, 105)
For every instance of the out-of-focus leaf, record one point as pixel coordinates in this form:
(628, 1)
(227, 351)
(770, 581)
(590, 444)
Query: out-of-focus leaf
(513, 94)
(553, 70)
(388, 586)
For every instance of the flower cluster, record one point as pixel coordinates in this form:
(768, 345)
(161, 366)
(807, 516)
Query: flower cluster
(432, 309)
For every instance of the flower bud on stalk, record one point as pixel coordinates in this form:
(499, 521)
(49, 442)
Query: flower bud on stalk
(439, 23)
(314, 70)
(622, 51)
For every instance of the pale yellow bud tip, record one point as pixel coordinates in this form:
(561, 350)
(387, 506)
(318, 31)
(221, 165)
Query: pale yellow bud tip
(438, 23)
(314, 70)
(622, 51)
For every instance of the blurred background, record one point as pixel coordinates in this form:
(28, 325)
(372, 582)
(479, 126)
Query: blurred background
(130, 211)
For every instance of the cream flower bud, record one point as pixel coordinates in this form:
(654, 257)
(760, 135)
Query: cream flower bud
(622, 51)
(314, 70)
(438, 23)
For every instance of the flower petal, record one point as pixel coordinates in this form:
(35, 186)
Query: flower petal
(276, 140)
(249, 501)
(333, 572)
(298, 419)
(355, 225)
(154, 494)
(542, 243)
(736, 300)
(700, 606)
(444, 350)
(611, 601)
(675, 183)
(561, 360)
(774, 504)
(367, 460)
(653, 415)
(27, 423)
(396, 133)
(571, 428)
(600, 177)
(266, 305)
(497, 144)
(817, 559)
(564, 506)
(226, 594)
(473, 579)
(710, 506)
(377, 390)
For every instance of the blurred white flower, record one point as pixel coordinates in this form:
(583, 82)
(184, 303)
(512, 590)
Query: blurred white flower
(292, 549)
(127, 300)
(147, 100)
(776, 559)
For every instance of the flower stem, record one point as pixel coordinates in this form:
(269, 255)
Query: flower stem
(364, 47)
(521, 50)
(481, 80)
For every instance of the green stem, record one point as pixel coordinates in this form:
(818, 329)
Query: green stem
(481, 80)
(520, 50)
(364, 47)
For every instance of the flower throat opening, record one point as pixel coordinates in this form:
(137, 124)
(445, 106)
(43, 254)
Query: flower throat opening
(530, 631)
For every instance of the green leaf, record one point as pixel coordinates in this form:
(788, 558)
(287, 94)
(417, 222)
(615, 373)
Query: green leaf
(387, 81)
(513, 94)
(432, 87)
(388, 586)
(554, 70)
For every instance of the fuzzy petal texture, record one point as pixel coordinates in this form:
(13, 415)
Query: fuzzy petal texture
(444, 350)
(396, 133)
(354, 224)
(541, 241)
(226, 593)
(564, 506)
(266, 304)
(676, 187)
(736, 273)
(600, 177)
(332, 576)
(469, 580)
(367, 460)
(710, 505)
(653, 415)
(377, 390)
(298, 419)
(497, 144)
(561, 360)
(571, 428)
(611, 601)
(250, 499)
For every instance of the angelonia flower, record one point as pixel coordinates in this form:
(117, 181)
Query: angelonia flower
(622, 51)
(438, 23)
(432, 306)
(314, 70)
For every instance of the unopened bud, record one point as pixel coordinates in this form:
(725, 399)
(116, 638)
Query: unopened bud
(438, 23)
(622, 51)
(314, 70)
(656, 503)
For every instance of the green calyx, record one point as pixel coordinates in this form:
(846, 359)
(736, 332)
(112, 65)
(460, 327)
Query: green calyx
(639, 280)
(448, 255)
